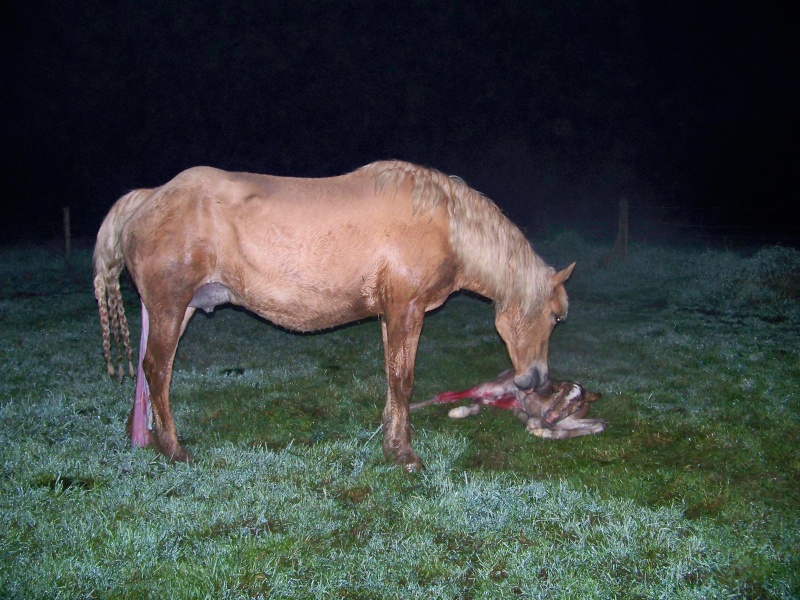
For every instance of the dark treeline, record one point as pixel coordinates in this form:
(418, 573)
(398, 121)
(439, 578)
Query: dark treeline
(553, 109)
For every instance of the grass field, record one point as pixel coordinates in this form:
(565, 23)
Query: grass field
(693, 490)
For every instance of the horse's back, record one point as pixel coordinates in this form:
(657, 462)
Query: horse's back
(250, 199)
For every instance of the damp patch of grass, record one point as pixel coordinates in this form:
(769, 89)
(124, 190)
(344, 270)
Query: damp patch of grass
(691, 491)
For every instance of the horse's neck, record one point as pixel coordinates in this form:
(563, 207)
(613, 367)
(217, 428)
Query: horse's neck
(510, 277)
(477, 286)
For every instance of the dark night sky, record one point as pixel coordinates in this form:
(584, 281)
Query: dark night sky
(553, 109)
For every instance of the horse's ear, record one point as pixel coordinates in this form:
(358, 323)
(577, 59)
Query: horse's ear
(592, 396)
(562, 276)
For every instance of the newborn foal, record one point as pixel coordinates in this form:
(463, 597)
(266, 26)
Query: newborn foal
(556, 415)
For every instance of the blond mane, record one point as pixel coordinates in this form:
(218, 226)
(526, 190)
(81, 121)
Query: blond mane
(490, 248)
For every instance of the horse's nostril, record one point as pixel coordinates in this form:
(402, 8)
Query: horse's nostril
(533, 381)
(524, 382)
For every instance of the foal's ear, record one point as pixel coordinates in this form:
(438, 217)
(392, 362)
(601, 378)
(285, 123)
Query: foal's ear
(592, 396)
(562, 276)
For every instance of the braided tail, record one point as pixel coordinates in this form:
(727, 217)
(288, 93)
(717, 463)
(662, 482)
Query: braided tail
(108, 263)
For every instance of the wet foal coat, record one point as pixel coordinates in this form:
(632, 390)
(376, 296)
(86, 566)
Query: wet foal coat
(557, 413)
(391, 239)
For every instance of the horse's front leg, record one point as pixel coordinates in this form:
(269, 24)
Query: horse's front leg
(400, 334)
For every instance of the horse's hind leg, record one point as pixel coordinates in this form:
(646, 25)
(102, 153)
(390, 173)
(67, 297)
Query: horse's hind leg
(165, 331)
(140, 420)
(400, 334)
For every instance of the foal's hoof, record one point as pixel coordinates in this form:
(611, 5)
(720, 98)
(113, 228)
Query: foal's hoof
(541, 432)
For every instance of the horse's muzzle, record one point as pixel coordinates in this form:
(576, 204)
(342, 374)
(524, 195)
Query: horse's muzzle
(550, 418)
(535, 380)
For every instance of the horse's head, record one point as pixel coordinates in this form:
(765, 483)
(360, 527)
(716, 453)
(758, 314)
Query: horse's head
(527, 334)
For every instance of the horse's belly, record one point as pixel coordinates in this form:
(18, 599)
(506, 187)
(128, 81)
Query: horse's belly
(307, 306)
(310, 317)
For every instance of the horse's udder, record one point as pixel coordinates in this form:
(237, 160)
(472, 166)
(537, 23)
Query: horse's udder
(209, 296)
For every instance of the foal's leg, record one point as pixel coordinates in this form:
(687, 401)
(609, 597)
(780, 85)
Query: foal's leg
(400, 334)
(566, 428)
(461, 412)
(165, 330)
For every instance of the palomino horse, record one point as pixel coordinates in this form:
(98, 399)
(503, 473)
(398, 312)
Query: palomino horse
(390, 239)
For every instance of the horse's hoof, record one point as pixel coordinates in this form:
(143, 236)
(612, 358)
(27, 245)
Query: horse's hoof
(410, 463)
(181, 455)
(175, 453)
(416, 467)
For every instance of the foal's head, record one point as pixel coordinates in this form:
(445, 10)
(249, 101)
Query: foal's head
(527, 333)
(566, 398)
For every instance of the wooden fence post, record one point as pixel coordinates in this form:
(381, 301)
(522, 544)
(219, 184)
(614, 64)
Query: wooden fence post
(67, 235)
(620, 249)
